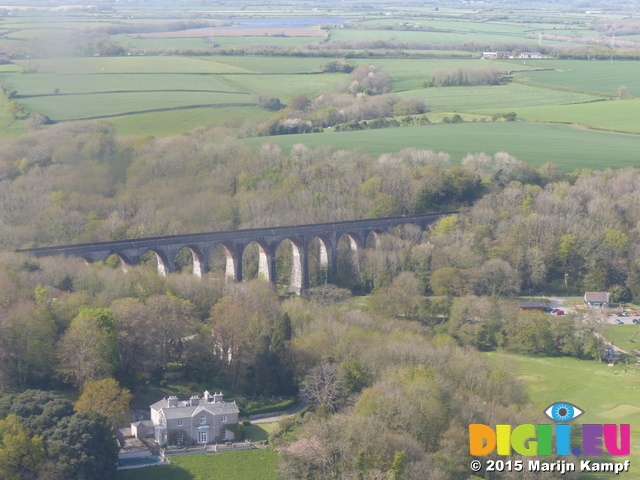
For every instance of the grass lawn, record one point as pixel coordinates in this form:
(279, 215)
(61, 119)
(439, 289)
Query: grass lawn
(624, 336)
(258, 432)
(568, 147)
(593, 387)
(239, 465)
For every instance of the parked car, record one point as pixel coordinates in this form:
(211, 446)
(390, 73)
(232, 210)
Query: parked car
(624, 314)
(548, 309)
(636, 320)
(634, 313)
(619, 322)
(558, 312)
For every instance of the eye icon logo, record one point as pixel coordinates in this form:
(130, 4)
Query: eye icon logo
(563, 412)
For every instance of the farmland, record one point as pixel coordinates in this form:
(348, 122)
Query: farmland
(147, 84)
(567, 146)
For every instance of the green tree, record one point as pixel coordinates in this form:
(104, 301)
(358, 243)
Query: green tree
(447, 281)
(85, 351)
(107, 398)
(15, 109)
(282, 333)
(20, 453)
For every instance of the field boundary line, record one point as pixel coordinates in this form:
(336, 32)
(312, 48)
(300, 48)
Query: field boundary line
(551, 86)
(156, 110)
(128, 91)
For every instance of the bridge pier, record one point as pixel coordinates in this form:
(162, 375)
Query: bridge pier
(267, 263)
(234, 266)
(299, 268)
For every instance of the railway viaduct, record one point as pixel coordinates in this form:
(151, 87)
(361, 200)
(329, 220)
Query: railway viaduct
(234, 242)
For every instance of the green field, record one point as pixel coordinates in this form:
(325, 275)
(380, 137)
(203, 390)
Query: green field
(46, 83)
(172, 122)
(593, 387)
(494, 98)
(75, 107)
(569, 147)
(285, 86)
(239, 465)
(617, 115)
(203, 42)
(594, 76)
(131, 64)
(275, 64)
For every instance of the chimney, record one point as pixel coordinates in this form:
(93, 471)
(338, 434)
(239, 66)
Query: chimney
(173, 401)
(218, 398)
(206, 396)
(195, 401)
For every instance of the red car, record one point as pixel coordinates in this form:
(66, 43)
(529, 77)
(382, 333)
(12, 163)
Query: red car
(559, 312)
(634, 313)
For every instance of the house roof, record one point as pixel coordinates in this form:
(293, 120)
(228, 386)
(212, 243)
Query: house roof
(532, 305)
(597, 297)
(185, 409)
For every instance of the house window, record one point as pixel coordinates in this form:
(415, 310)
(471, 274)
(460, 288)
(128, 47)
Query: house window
(202, 437)
(223, 419)
(179, 423)
(180, 438)
(203, 420)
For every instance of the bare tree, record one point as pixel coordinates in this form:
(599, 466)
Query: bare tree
(324, 387)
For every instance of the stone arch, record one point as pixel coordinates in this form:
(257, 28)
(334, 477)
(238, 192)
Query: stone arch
(299, 266)
(191, 257)
(117, 259)
(258, 260)
(373, 238)
(321, 253)
(349, 253)
(164, 262)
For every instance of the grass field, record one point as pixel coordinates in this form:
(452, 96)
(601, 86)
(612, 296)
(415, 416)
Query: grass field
(131, 64)
(275, 64)
(240, 465)
(285, 86)
(494, 98)
(618, 115)
(172, 122)
(593, 387)
(46, 83)
(595, 76)
(569, 147)
(75, 107)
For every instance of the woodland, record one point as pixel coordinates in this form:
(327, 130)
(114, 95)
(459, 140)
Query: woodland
(399, 374)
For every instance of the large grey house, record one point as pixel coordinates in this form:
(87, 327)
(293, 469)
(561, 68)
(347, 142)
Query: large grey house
(197, 420)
